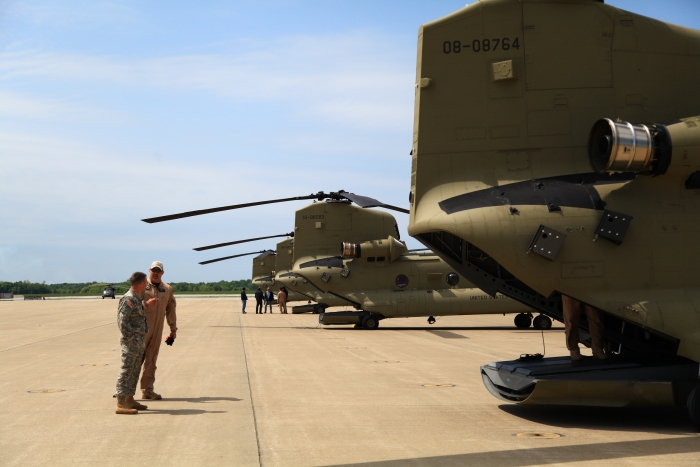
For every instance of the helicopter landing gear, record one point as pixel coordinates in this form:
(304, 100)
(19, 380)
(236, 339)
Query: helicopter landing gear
(431, 320)
(694, 407)
(523, 320)
(370, 322)
(542, 322)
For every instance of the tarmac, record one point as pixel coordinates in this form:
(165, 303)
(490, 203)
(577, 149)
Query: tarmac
(272, 389)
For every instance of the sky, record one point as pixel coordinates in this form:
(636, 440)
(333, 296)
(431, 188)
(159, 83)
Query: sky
(115, 111)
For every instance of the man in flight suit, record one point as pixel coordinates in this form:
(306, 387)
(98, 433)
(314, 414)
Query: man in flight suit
(131, 320)
(156, 314)
(572, 315)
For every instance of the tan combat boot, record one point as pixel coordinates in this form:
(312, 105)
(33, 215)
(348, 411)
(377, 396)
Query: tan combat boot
(123, 407)
(135, 405)
(149, 394)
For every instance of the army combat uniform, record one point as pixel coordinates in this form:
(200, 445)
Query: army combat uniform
(131, 320)
(156, 317)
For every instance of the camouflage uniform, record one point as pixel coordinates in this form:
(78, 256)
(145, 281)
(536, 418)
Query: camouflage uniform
(131, 320)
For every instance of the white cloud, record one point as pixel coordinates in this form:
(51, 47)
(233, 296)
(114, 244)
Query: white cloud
(346, 78)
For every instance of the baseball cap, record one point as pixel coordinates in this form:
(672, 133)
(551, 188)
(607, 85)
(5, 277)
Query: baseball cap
(157, 264)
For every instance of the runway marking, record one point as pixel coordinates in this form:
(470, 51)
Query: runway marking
(250, 391)
(55, 337)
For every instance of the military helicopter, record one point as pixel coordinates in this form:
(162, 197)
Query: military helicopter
(108, 292)
(556, 150)
(379, 288)
(270, 269)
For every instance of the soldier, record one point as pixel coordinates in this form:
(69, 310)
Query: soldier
(160, 306)
(572, 315)
(131, 320)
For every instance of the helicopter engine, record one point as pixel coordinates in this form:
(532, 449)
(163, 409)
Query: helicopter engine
(390, 248)
(625, 147)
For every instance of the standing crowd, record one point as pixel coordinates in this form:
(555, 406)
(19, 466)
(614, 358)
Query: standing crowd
(266, 299)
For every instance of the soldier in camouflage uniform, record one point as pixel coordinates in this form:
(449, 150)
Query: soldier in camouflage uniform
(131, 320)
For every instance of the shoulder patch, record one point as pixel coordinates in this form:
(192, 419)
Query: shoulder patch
(129, 304)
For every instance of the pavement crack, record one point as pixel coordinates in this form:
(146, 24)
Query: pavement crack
(56, 337)
(250, 391)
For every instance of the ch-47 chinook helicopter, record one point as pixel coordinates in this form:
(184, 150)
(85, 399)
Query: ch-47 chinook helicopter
(555, 151)
(387, 282)
(271, 268)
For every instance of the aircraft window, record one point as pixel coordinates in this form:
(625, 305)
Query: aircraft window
(380, 258)
(370, 259)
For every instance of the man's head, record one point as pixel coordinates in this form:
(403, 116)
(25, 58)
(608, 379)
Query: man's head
(243, 288)
(268, 289)
(138, 282)
(156, 272)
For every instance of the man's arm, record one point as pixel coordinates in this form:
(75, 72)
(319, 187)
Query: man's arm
(126, 305)
(170, 314)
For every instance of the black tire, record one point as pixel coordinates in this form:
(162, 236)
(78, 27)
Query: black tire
(103, 298)
(542, 322)
(370, 322)
(694, 407)
(522, 321)
(318, 309)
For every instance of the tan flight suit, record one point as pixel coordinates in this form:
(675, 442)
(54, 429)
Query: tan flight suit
(572, 316)
(155, 317)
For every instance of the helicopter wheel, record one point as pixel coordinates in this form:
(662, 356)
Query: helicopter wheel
(431, 320)
(694, 407)
(357, 326)
(522, 321)
(370, 322)
(542, 322)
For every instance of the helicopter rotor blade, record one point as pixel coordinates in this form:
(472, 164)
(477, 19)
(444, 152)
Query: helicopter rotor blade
(153, 220)
(367, 202)
(234, 256)
(219, 245)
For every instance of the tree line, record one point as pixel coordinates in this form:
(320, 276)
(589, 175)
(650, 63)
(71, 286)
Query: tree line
(96, 288)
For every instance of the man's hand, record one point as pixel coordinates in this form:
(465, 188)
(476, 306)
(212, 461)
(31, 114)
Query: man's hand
(151, 302)
(170, 339)
(173, 334)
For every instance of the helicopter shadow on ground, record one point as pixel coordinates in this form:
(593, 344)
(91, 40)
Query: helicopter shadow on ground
(560, 455)
(431, 328)
(660, 420)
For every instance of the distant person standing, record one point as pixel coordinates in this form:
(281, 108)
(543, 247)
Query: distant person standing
(156, 314)
(244, 299)
(269, 298)
(282, 300)
(258, 301)
(131, 320)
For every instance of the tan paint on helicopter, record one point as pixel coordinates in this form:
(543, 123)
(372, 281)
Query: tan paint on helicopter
(576, 61)
(297, 288)
(373, 285)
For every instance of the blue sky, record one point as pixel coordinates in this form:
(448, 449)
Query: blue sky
(115, 111)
